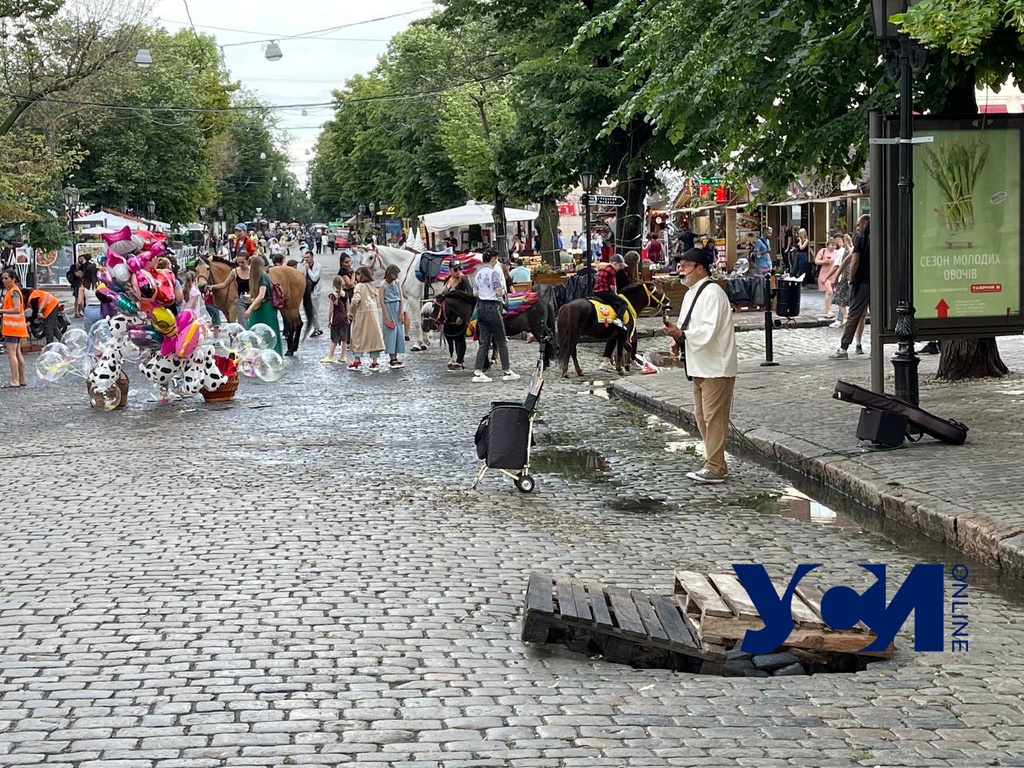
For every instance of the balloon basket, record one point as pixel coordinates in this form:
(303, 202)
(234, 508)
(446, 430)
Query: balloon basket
(96, 398)
(223, 393)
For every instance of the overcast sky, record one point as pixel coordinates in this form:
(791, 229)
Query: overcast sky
(312, 65)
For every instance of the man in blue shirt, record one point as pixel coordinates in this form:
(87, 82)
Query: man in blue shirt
(761, 252)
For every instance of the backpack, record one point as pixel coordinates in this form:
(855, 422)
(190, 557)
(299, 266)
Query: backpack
(276, 295)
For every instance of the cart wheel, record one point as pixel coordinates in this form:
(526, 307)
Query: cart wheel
(524, 483)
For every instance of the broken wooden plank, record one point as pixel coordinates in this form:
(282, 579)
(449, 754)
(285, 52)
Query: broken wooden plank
(625, 612)
(566, 602)
(701, 593)
(579, 596)
(599, 604)
(673, 622)
(538, 594)
(735, 595)
(648, 616)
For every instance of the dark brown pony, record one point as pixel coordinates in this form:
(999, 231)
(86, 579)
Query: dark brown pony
(579, 318)
(213, 270)
(454, 309)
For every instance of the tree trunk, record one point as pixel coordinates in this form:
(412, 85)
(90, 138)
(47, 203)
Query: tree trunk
(970, 359)
(629, 222)
(547, 226)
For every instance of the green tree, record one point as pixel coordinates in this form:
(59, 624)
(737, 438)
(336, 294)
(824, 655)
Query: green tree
(156, 146)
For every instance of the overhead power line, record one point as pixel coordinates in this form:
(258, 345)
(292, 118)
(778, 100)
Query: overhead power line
(257, 107)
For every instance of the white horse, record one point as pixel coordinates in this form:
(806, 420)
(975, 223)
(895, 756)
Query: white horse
(412, 287)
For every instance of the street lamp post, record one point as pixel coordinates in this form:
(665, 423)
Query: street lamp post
(70, 194)
(202, 220)
(587, 182)
(382, 212)
(372, 208)
(151, 207)
(903, 56)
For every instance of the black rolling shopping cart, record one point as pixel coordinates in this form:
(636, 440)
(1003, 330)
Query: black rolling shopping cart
(505, 435)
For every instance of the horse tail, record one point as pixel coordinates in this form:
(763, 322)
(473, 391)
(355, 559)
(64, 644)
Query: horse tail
(569, 332)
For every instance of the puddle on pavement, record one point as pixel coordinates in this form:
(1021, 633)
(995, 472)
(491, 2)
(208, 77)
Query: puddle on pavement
(637, 504)
(795, 505)
(571, 463)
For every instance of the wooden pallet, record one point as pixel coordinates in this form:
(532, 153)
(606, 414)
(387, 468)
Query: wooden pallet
(721, 612)
(624, 626)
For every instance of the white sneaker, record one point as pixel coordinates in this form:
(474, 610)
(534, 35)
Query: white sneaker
(480, 377)
(510, 376)
(835, 324)
(606, 366)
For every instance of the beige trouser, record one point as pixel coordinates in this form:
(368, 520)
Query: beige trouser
(712, 399)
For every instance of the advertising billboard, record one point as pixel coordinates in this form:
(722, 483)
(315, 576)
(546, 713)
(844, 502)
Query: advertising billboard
(967, 217)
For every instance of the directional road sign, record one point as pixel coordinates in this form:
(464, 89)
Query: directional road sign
(615, 200)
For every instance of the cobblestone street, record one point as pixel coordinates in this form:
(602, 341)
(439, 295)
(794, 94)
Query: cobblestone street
(304, 577)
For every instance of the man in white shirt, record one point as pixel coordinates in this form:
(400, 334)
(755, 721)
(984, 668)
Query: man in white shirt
(705, 326)
(489, 287)
(311, 300)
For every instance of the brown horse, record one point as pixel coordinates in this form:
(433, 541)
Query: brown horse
(210, 271)
(579, 318)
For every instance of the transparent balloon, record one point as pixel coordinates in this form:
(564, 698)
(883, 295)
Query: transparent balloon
(81, 366)
(163, 395)
(76, 340)
(132, 352)
(100, 333)
(246, 342)
(58, 346)
(265, 335)
(231, 330)
(107, 399)
(247, 368)
(268, 365)
(51, 366)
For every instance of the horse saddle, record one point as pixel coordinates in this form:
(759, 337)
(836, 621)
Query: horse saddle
(605, 313)
(430, 265)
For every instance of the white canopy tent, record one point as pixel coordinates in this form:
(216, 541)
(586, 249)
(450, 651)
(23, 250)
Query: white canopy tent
(472, 213)
(96, 231)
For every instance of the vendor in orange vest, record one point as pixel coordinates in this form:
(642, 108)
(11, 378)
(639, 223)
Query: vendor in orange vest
(14, 327)
(44, 305)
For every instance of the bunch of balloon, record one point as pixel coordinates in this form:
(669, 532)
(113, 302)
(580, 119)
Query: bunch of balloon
(175, 352)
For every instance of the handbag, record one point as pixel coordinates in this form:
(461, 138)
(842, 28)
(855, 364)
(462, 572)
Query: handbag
(686, 322)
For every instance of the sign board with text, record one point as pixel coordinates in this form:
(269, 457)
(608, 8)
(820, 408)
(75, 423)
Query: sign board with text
(967, 223)
(967, 215)
(614, 200)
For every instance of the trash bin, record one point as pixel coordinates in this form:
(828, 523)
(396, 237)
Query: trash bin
(787, 298)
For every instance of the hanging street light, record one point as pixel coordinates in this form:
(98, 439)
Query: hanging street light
(143, 58)
(273, 51)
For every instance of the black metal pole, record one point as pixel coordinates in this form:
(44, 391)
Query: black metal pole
(590, 254)
(905, 362)
(769, 350)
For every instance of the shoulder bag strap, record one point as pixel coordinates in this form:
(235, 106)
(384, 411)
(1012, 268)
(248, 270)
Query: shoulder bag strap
(686, 320)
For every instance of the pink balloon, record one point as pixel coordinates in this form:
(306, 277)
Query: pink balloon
(157, 249)
(145, 284)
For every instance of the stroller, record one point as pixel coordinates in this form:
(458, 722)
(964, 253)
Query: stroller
(505, 435)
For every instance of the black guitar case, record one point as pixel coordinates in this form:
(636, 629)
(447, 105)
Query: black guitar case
(947, 430)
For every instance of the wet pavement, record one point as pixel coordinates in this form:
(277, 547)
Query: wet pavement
(304, 577)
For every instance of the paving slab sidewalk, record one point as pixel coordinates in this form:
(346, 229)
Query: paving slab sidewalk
(968, 497)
